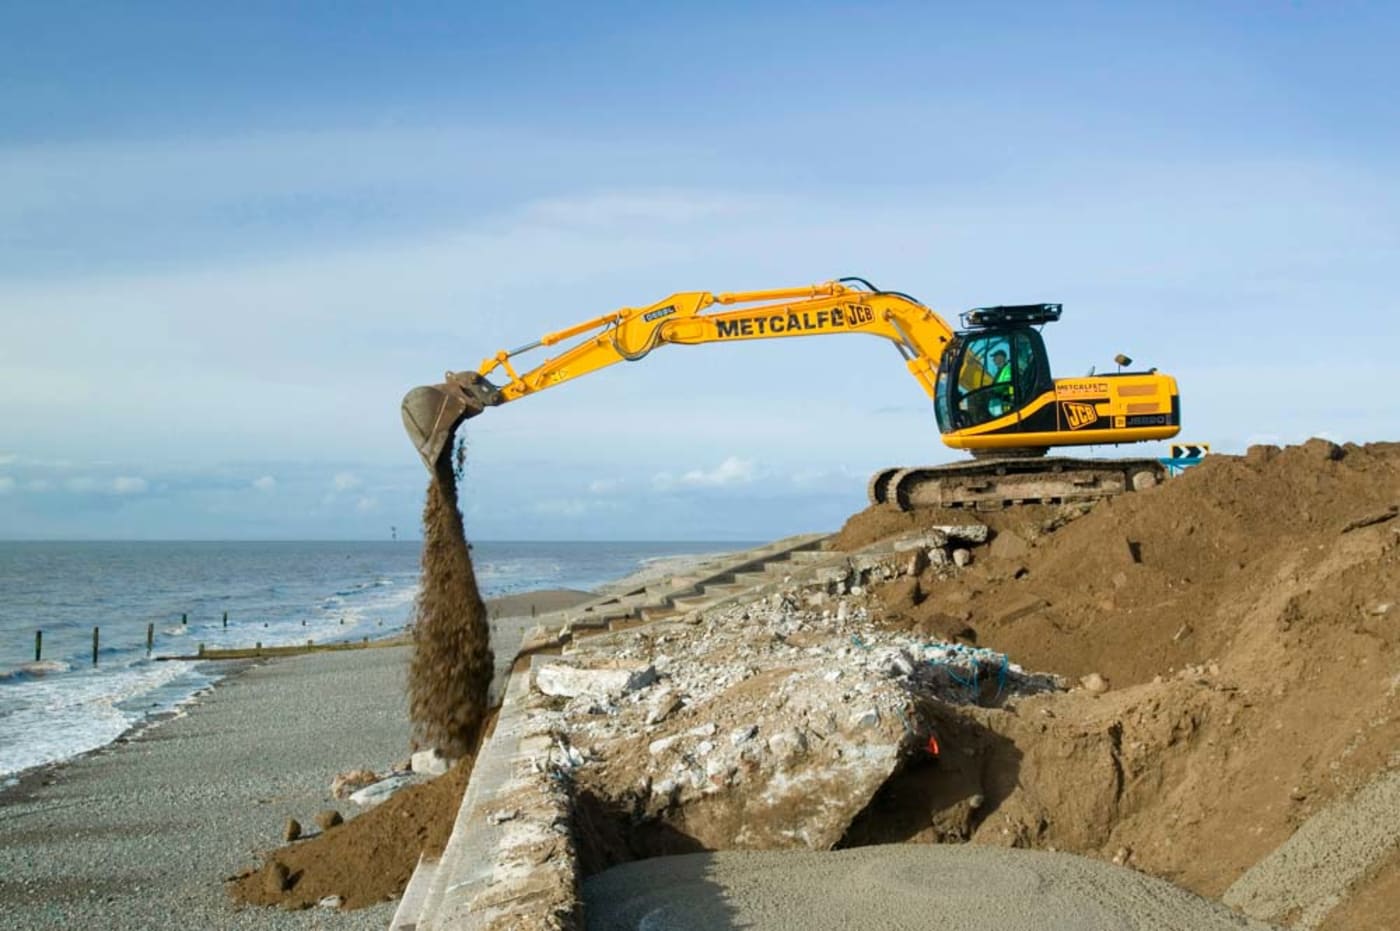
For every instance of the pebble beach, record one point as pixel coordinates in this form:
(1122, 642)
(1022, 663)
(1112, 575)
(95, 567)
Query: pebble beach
(143, 833)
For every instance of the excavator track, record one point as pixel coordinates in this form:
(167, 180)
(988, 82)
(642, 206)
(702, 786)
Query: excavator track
(991, 484)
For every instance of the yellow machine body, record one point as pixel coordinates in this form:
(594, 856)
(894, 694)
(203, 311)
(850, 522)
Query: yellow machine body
(1038, 412)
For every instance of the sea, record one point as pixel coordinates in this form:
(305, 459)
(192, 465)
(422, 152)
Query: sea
(219, 595)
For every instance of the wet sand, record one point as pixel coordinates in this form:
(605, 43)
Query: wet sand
(541, 602)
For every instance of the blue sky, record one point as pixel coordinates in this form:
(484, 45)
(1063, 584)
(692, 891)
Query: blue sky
(232, 235)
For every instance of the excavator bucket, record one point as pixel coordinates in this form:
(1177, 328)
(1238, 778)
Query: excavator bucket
(432, 413)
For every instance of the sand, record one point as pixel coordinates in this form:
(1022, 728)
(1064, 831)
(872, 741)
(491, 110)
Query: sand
(366, 860)
(891, 888)
(524, 604)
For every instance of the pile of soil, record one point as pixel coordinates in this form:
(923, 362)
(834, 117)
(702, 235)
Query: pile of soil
(366, 860)
(1152, 581)
(879, 521)
(452, 660)
(1244, 619)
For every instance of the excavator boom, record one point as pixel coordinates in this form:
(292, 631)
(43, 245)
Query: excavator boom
(432, 413)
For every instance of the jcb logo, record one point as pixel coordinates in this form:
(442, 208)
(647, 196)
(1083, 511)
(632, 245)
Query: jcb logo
(1078, 415)
(856, 315)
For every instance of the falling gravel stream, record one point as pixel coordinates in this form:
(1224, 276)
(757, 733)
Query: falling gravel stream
(452, 661)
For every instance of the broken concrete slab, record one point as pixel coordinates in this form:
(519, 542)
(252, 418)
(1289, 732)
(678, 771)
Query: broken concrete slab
(561, 680)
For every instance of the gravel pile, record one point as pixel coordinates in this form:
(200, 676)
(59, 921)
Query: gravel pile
(895, 888)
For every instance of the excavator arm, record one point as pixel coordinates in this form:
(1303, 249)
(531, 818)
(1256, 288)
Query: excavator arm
(432, 413)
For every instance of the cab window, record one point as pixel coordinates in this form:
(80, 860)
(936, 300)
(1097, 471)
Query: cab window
(993, 367)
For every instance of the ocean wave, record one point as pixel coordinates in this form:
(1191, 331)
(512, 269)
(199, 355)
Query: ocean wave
(34, 670)
(47, 720)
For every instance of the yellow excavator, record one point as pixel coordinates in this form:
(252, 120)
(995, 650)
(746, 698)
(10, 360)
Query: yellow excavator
(990, 382)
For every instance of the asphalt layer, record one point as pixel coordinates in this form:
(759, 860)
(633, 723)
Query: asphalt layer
(143, 833)
(907, 886)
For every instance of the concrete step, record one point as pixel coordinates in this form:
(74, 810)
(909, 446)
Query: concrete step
(624, 601)
(588, 622)
(409, 913)
(696, 602)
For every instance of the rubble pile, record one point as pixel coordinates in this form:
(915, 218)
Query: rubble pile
(766, 725)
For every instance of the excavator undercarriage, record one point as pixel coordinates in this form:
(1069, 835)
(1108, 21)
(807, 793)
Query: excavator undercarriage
(990, 484)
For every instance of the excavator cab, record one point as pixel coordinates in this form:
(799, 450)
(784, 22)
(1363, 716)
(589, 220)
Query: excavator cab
(993, 368)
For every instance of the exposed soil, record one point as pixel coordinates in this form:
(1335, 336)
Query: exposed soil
(1245, 619)
(880, 521)
(366, 860)
(452, 661)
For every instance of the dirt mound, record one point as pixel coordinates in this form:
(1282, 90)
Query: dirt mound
(1245, 618)
(452, 661)
(1152, 581)
(879, 521)
(366, 860)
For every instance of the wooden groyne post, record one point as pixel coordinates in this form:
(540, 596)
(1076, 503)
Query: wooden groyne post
(38, 645)
(95, 635)
(150, 638)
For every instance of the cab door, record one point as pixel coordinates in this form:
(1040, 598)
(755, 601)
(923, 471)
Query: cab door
(989, 375)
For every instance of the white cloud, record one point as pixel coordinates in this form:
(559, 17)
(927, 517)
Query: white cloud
(120, 485)
(562, 507)
(573, 507)
(732, 471)
(366, 504)
(7, 484)
(265, 484)
(603, 486)
(344, 481)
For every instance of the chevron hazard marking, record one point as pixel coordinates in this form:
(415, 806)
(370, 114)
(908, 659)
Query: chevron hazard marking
(1190, 452)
